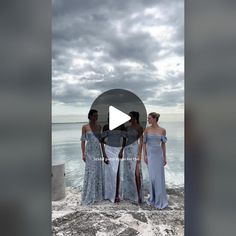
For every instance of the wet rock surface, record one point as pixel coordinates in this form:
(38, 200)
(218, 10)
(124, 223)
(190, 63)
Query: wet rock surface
(124, 218)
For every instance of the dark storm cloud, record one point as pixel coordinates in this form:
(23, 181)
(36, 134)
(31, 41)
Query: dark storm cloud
(71, 93)
(139, 47)
(102, 45)
(61, 7)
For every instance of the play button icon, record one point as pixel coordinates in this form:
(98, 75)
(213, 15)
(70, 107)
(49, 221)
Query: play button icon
(121, 115)
(117, 118)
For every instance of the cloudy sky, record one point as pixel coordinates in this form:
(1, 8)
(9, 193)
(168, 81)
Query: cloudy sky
(99, 45)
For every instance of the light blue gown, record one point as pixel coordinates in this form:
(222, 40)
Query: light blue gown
(158, 197)
(129, 187)
(112, 138)
(93, 176)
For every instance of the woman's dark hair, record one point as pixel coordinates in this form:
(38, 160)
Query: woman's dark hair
(91, 112)
(154, 115)
(135, 114)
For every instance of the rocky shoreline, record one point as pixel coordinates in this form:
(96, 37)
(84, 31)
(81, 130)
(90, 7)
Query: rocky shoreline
(123, 219)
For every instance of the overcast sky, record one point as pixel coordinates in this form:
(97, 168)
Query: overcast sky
(99, 45)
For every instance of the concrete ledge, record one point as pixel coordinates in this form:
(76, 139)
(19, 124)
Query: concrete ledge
(58, 181)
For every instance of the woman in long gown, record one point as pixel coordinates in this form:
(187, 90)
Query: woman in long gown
(113, 145)
(91, 154)
(132, 172)
(155, 156)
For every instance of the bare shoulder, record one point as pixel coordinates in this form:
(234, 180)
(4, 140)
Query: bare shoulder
(163, 131)
(140, 130)
(99, 127)
(85, 128)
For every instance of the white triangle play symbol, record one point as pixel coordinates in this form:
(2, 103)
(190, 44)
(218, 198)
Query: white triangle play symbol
(116, 118)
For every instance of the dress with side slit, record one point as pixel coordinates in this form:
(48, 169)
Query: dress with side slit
(129, 186)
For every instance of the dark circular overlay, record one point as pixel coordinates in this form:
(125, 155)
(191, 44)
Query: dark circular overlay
(126, 102)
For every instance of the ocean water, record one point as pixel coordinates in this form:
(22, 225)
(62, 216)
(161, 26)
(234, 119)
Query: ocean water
(66, 148)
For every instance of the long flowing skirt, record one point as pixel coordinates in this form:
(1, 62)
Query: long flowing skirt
(129, 185)
(110, 172)
(158, 197)
(93, 176)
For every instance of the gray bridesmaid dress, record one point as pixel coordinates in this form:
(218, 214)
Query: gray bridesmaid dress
(93, 176)
(129, 187)
(158, 197)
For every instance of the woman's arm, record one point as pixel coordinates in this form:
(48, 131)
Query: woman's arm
(145, 147)
(106, 160)
(120, 155)
(163, 146)
(140, 144)
(103, 148)
(83, 144)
